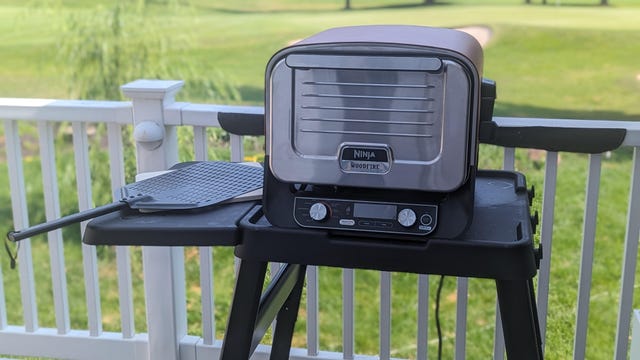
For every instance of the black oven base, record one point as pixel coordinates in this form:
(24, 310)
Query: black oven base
(454, 209)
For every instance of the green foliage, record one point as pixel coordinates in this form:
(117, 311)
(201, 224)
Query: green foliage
(100, 53)
(106, 48)
(553, 61)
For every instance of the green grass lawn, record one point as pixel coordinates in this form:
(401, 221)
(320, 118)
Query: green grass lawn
(572, 60)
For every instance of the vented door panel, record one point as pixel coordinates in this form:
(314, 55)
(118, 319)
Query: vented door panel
(402, 109)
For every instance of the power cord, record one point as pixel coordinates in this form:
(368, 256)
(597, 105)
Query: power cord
(438, 329)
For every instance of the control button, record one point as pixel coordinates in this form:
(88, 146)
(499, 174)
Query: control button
(384, 224)
(347, 222)
(365, 223)
(426, 219)
(407, 217)
(319, 211)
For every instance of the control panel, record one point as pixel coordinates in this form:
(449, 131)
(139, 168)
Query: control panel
(384, 217)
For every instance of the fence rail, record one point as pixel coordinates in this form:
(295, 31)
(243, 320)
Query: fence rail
(167, 335)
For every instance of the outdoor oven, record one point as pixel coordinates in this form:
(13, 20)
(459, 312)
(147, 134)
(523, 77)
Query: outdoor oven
(374, 130)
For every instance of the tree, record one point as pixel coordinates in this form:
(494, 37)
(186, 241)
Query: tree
(106, 48)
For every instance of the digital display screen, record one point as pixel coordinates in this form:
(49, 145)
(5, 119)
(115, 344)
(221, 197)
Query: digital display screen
(374, 211)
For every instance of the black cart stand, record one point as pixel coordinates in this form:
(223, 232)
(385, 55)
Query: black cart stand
(498, 245)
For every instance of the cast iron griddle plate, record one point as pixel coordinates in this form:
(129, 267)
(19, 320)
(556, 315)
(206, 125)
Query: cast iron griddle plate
(194, 186)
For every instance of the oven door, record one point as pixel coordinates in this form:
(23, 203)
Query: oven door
(399, 122)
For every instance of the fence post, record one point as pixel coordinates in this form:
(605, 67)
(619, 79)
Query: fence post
(164, 280)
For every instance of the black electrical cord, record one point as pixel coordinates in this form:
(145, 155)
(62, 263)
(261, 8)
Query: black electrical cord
(438, 329)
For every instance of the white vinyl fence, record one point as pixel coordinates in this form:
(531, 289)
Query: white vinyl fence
(156, 117)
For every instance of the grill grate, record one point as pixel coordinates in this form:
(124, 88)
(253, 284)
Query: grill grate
(198, 185)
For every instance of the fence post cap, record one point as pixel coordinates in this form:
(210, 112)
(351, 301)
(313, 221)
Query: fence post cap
(151, 89)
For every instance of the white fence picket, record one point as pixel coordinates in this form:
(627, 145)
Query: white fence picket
(461, 318)
(89, 257)
(125, 292)
(546, 237)
(586, 260)
(52, 211)
(206, 257)
(123, 257)
(498, 336)
(3, 304)
(313, 335)
(200, 143)
(237, 150)
(20, 221)
(207, 299)
(423, 317)
(630, 261)
(508, 163)
(634, 351)
(348, 306)
(385, 315)
(509, 159)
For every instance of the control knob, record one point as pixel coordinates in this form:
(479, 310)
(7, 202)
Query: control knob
(407, 217)
(319, 211)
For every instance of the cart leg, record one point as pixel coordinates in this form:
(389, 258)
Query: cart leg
(244, 310)
(519, 319)
(286, 320)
